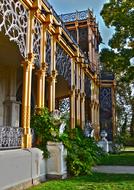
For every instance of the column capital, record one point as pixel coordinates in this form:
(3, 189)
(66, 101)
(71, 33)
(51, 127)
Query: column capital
(41, 71)
(52, 76)
(92, 103)
(82, 95)
(77, 92)
(26, 64)
(97, 102)
(54, 73)
(30, 57)
(44, 66)
(95, 77)
(72, 91)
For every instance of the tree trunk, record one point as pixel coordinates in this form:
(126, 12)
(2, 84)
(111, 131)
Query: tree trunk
(132, 122)
(124, 126)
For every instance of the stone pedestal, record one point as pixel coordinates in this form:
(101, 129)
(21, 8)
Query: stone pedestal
(11, 113)
(56, 164)
(104, 145)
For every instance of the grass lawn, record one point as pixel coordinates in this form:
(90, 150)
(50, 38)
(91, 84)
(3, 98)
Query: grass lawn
(129, 148)
(123, 158)
(96, 181)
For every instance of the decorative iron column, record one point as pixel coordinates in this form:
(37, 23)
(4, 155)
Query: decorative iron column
(77, 93)
(26, 102)
(95, 106)
(27, 81)
(82, 98)
(98, 112)
(92, 102)
(90, 44)
(72, 114)
(41, 73)
(41, 87)
(53, 74)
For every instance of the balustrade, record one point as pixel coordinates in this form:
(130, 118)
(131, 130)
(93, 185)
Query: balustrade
(10, 137)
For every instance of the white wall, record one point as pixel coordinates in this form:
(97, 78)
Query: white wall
(21, 168)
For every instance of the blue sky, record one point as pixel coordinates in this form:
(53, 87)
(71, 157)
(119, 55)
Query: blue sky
(67, 6)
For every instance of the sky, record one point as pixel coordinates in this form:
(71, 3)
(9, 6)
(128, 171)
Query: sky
(68, 6)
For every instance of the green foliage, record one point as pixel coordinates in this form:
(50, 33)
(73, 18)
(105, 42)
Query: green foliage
(129, 141)
(124, 158)
(96, 181)
(120, 15)
(83, 152)
(44, 129)
(119, 142)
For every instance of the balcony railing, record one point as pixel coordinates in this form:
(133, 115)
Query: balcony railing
(10, 137)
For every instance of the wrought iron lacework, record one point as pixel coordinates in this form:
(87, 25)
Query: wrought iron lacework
(106, 111)
(83, 32)
(63, 64)
(48, 51)
(105, 98)
(81, 15)
(73, 34)
(13, 19)
(36, 42)
(10, 137)
(63, 104)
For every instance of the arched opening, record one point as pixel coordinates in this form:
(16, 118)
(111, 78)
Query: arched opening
(62, 94)
(10, 77)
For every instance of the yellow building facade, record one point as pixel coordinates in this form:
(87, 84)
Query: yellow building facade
(47, 60)
(41, 64)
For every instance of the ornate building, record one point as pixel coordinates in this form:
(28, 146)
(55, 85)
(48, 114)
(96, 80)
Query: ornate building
(47, 60)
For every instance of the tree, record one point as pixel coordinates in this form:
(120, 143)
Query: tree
(120, 15)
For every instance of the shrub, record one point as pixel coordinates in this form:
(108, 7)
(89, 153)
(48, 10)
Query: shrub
(129, 141)
(42, 124)
(46, 127)
(83, 152)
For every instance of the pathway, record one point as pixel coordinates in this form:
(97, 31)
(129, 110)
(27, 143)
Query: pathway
(114, 169)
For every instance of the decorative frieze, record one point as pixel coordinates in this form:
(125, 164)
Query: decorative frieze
(48, 51)
(13, 19)
(37, 42)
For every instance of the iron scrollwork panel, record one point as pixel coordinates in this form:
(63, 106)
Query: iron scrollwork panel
(63, 64)
(81, 15)
(13, 20)
(63, 105)
(37, 42)
(106, 110)
(10, 137)
(48, 51)
(69, 17)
